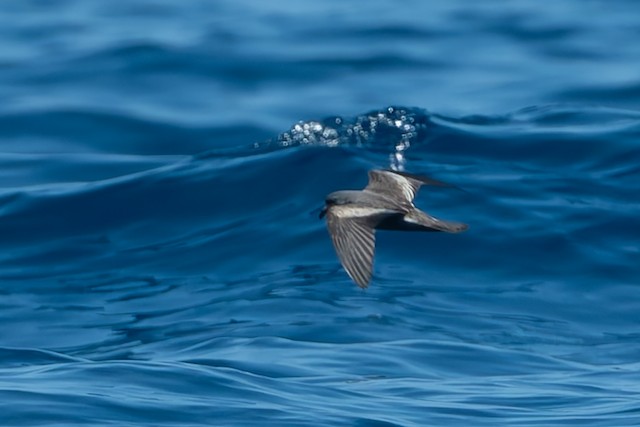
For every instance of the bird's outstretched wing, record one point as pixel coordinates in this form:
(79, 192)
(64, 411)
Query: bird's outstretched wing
(401, 186)
(354, 242)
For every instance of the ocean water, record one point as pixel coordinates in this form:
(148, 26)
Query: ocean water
(162, 166)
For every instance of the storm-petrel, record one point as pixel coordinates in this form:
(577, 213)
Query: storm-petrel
(386, 203)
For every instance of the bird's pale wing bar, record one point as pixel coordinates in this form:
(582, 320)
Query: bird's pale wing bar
(424, 180)
(400, 186)
(393, 185)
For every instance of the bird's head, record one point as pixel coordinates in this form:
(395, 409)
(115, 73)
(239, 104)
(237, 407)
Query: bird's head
(337, 198)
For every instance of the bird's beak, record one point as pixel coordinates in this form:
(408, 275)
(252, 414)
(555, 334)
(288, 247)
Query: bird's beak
(323, 212)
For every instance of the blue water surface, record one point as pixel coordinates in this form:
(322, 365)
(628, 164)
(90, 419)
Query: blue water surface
(162, 166)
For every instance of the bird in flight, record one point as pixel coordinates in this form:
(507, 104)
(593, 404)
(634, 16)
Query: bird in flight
(386, 203)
